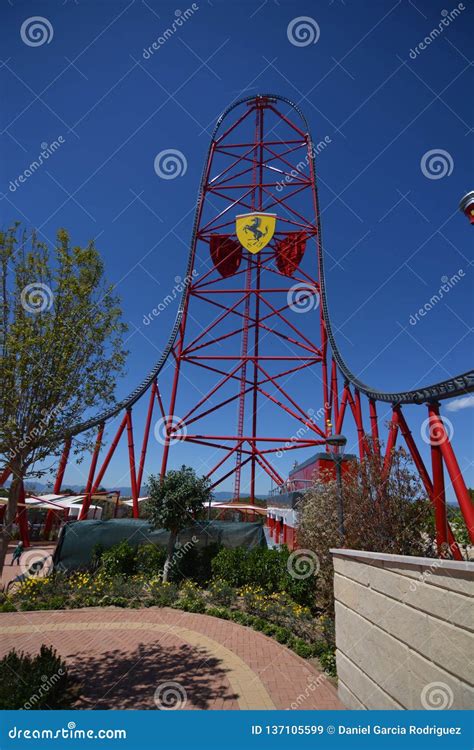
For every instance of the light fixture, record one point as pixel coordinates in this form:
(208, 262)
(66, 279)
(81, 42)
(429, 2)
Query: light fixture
(467, 206)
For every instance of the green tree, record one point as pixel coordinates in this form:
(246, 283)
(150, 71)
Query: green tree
(381, 514)
(174, 502)
(61, 350)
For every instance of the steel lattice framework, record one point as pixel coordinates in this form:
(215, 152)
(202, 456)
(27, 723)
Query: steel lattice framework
(242, 339)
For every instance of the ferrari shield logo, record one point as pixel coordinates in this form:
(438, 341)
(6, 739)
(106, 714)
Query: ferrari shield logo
(255, 230)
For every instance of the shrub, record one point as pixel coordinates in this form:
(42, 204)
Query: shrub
(230, 565)
(34, 682)
(381, 514)
(162, 594)
(265, 568)
(221, 592)
(119, 560)
(221, 612)
(150, 559)
(300, 647)
(195, 563)
(191, 598)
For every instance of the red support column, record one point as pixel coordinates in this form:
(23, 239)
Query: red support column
(109, 455)
(131, 457)
(391, 442)
(425, 478)
(457, 480)
(357, 414)
(439, 495)
(62, 467)
(90, 479)
(342, 409)
(374, 426)
(146, 436)
(334, 393)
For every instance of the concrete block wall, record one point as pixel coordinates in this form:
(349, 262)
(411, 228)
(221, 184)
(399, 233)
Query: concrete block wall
(404, 631)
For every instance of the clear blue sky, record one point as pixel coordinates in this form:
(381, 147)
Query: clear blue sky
(391, 232)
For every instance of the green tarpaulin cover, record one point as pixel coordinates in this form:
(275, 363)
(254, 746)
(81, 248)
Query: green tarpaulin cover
(78, 539)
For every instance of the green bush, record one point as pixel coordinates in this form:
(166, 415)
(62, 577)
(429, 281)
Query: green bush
(195, 563)
(262, 567)
(191, 598)
(150, 559)
(119, 560)
(221, 612)
(162, 594)
(300, 647)
(221, 592)
(34, 682)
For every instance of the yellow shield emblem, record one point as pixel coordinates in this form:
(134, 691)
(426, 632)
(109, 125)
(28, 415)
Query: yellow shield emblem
(255, 230)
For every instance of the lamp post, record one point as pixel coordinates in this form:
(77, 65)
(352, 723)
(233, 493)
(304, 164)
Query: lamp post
(467, 206)
(339, 443)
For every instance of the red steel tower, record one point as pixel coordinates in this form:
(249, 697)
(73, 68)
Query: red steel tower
(251, 329)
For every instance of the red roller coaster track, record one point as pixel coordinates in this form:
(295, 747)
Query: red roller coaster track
(240, 335)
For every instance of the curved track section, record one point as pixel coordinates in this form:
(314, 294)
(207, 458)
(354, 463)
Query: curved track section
(455, 386)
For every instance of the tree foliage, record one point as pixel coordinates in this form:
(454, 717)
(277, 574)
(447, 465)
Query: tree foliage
(61, 339)
(381, 514)
(61, 347)
(174, 502)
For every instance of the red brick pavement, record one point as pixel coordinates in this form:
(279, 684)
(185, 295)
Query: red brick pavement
(160, 657)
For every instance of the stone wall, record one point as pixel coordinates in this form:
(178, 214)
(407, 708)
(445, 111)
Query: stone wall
(404, 631)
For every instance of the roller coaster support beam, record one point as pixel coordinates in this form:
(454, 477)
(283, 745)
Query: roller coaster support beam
(131, 458)
(90, 478)
(452, 466)
(109, 455)
(425, 478)
(391, 442)
(374, 426)
(153, 395)
(334, 392)
(62, 467)
(439, 493)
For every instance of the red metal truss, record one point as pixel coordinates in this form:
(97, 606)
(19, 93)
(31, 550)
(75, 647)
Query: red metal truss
(254, 353)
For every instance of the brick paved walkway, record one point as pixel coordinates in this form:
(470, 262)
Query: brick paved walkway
(160, 657)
